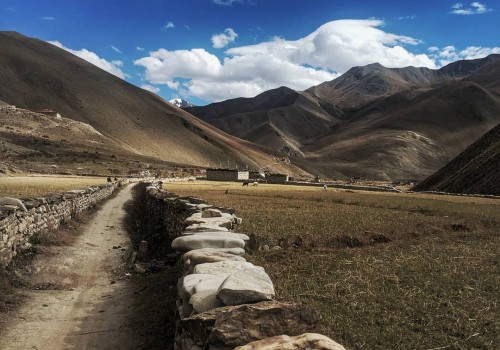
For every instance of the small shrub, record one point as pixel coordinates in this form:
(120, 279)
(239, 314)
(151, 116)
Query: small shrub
(378, 238)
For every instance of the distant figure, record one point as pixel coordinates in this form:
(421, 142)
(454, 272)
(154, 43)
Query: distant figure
(227, 192)
(325, 187)
(255, 183)
(245, 183)
(108, 179)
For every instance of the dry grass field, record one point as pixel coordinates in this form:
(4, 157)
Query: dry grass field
(386, 271)
(37, 186)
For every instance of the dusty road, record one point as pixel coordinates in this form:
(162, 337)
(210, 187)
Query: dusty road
(84, 301)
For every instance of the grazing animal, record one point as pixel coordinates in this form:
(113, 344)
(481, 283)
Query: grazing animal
(255, 183)
(245, 183)
(325, 187)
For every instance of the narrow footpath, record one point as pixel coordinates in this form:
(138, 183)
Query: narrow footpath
(85, 300)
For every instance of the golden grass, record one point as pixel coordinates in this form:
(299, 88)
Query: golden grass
(386, 271)
(36, 186)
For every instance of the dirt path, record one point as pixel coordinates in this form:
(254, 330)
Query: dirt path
(84, 301)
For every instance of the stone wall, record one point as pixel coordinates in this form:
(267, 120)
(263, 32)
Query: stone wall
(225, 302)
(20, 220)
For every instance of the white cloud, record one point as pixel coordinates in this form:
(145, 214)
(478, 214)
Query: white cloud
(151, 88)
(223, 39)
(299, 64)
(138, 48)
(407, 17)
(93, 58)
(339, 45)
(433, 49)
(117, 63)
(169, 25)
(476, 8)
(48, 18)
(116, 49)
(174, 85)
(226, 2)
(450, 54)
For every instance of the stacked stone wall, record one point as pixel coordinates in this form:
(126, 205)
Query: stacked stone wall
(225, 302)
(20, 220)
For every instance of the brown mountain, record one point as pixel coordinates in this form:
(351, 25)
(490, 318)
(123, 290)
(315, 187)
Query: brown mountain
(282, 119)
(131, 121)
(360, 85)
(409, 134)
(474, 171)
(375, 122)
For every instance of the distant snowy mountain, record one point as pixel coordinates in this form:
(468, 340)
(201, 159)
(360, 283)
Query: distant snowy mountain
(178, 102)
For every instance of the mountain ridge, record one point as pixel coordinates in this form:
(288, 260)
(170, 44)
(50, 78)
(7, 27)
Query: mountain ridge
(419, 110)
(474, 171)
(41, 75)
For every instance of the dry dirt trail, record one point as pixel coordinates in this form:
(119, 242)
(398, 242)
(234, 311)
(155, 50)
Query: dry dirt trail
(84, 301)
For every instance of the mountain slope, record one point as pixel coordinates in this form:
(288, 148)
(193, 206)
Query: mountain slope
(475, 171)
(487, 75)
(373, 121)
(41, 75)
(282, 119)
(360, 85)
(409, 134)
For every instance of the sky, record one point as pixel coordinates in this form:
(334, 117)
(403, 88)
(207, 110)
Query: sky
(206, 51)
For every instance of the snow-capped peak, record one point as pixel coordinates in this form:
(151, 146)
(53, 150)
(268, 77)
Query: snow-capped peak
(179, 102)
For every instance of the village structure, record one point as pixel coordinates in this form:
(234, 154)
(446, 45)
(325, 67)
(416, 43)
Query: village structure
(245, 175)
(48, 112)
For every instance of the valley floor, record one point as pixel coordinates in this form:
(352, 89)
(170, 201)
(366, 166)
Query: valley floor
(384, 270)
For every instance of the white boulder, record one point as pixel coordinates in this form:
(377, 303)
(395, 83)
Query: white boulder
(187, 243)
(246, 286)
(206, 226)
(299, 342)
(204, 301)
(211, 213)
(234, 251)
(217, 233)
(14, 202)
(222, 268)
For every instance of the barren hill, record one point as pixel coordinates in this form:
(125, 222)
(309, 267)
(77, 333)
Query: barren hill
(409, 134)
(136, 122)
(373, 121)
(474, 171)
(282, 119)
(360, 85)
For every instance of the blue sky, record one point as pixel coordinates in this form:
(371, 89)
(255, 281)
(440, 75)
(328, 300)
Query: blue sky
(211, 50)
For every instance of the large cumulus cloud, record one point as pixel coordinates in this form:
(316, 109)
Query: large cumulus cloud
(299, 64)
